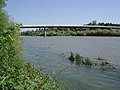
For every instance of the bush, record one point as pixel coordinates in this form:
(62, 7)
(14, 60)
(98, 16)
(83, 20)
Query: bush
(14, 73)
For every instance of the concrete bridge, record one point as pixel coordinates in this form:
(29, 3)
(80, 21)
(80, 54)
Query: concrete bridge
(44, 27)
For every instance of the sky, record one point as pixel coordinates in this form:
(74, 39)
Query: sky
(63, 11)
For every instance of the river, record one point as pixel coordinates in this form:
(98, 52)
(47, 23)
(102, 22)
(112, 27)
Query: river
(50, 54)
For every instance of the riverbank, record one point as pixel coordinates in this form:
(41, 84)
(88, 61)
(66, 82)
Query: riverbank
(15, 74)
(72, 32)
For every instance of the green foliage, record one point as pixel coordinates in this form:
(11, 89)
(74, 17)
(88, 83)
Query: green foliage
(87, 62)
(2, 3)
(78, 59)
(73, 32)
(94, 22)
(21, 76)
(77, 31)
(106, 66)
(14, 73)
(71, 58)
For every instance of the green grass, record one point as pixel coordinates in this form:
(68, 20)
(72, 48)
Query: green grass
(20, 76)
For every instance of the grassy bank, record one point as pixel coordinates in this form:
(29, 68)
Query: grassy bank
(15, 74)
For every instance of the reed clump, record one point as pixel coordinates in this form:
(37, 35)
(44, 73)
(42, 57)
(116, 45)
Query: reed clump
(77, 59)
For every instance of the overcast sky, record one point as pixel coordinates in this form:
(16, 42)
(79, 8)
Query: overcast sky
(63, 11)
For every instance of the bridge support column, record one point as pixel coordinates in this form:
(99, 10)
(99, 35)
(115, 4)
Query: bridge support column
(44, 32)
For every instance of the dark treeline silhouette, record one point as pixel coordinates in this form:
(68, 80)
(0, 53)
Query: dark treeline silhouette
(94, 22)
(72, 32)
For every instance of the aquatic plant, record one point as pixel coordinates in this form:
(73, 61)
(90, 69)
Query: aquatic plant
(87, 62)
(71, 58)
(99, 58)
(106, 66)
(78, 59)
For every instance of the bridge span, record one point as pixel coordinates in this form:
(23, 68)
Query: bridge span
(70, 26)
(44, 27)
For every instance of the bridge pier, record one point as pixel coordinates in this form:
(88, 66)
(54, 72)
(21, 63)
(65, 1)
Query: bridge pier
(44, 32)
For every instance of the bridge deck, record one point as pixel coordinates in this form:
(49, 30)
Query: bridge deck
(69, 26)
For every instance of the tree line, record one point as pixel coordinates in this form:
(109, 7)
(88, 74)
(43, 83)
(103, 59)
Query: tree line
(76, 31)
(94, 22)
(72, 32)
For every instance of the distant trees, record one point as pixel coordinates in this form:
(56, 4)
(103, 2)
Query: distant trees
(73, 32)
(94, 22)
(108, 24)
(77, 31)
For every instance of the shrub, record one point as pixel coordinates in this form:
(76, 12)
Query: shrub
(14, 73)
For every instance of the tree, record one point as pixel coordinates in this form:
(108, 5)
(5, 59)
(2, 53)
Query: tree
(3, 16)
(2, 3)
(94, 22)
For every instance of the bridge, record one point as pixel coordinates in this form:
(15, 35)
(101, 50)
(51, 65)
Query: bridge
(44, 27)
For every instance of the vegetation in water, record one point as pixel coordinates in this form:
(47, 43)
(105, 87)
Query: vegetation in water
(88, 62)
(78, 59)
(106, 66)
(15, 74)
(99, 58)
(71, 58)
